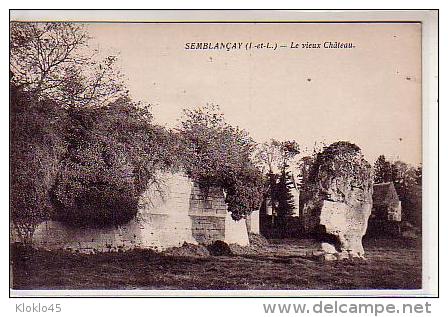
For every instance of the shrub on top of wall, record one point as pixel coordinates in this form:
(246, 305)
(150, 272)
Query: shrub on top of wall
(218, 154)
(113, 153)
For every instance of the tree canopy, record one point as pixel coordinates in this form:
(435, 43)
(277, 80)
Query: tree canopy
(218, 154)
(383, 171)
(53, 61)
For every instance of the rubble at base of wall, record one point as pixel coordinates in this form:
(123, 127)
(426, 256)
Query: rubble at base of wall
(188, 249)
(257, 244)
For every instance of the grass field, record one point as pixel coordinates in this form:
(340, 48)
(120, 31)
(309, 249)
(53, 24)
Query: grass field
(390, 264)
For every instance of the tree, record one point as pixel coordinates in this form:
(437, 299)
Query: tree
(81, 150)
(288, 151)
(37, 146)
(276, 156)
(383, 171)
(53, 61)
(282, 195)
(218, 154)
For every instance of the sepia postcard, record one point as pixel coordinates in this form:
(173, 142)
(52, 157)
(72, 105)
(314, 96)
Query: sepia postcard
(223, 153)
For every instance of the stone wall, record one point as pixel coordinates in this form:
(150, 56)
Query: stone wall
(253, 222)
(235, 231)
(170, 214)
(208, 213)
(162, 222)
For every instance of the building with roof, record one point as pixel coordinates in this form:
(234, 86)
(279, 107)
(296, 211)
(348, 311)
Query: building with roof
(386, 203)
(385, 218)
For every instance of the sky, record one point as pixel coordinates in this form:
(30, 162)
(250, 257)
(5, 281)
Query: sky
(369, 95)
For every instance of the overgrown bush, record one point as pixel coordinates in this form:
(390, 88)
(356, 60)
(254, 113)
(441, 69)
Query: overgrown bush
(113, 153)
(218, 154)
(37, 146)
(344, 161)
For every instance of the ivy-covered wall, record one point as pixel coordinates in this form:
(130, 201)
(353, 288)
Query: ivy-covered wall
(178, 211)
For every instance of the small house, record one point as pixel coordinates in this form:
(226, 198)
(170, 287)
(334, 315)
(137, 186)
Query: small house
(385, 218)
(386, 203)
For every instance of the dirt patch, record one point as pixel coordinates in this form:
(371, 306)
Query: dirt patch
(188, 249)
(257, 244)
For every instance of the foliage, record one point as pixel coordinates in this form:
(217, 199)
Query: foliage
(218, 154)
(84, 166)
(52, 61)
(81, 151)
(282, 196)
(276, 155)
(113, 153)
(245, 193)
(383, 171)
(335, 172)
(339, 160)
(36, 148)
